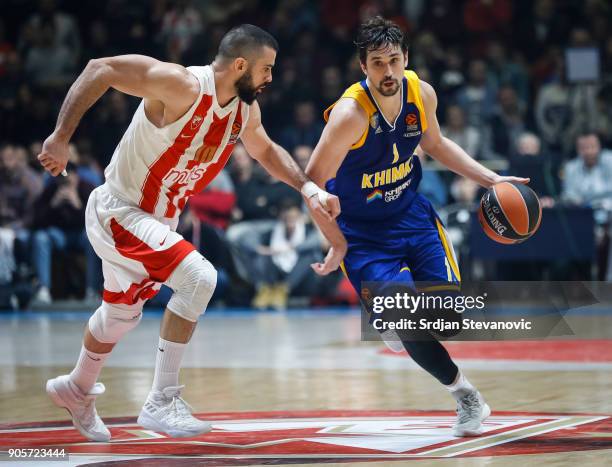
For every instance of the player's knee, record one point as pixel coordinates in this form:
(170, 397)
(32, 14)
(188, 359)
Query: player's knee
(112, 321)
(193, 281)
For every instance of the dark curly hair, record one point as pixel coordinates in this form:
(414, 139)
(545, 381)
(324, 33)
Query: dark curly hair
(378, 33)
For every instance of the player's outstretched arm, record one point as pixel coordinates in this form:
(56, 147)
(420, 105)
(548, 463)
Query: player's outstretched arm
(279, 163)
(346, 124)
(448, 152)
(170, 90)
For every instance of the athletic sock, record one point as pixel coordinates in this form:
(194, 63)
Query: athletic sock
(167, 364)
(87, 369)
(460, 387)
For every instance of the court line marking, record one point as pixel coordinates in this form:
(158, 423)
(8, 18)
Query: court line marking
(513, 435)
(340, 420)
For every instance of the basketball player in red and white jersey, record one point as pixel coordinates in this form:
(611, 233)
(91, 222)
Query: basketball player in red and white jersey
(180, 137)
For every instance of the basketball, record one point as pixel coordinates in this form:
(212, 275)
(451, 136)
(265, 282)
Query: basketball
(510, 212)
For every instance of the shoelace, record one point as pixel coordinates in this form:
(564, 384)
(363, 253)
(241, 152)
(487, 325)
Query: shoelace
(179, 408)
(468, 406)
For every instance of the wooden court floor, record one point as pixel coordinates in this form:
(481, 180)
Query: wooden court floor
(308, 366)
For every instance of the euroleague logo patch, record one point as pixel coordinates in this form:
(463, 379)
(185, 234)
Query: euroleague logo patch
(411, 119)
(317, 436)
(234, 135)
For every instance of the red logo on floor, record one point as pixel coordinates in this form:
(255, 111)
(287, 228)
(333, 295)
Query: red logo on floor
(324, 436)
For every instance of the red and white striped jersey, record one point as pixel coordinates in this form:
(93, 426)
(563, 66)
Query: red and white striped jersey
(159, 169)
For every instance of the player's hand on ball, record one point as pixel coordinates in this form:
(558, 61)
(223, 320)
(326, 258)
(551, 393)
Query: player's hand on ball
(521, 180)
(54, 155)
(332, 261)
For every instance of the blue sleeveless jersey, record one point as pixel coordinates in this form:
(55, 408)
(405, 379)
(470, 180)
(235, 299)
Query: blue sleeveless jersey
(379, 176)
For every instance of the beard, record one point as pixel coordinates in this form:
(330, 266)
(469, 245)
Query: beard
(246, 89)
(388, 90)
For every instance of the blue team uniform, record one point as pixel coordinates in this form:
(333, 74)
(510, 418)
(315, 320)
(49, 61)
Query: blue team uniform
(393, 232)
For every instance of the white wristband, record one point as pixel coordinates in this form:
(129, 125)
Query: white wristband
(309, 189)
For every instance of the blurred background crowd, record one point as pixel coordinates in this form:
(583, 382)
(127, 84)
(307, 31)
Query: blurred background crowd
(507, 92)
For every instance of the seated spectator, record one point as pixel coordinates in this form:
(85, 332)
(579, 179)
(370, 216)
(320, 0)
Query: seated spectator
(305, 129)
(59, 219)
(283, 258)
(477, 97)
(532, 162)
(586, 179)
(19, 188)
(457, 130)
(507, 123)
(586, 182)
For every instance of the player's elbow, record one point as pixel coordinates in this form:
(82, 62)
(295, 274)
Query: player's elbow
(95, 64)
(98, 67)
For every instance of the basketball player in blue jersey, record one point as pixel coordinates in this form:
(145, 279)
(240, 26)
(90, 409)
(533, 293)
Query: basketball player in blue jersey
(387, 231)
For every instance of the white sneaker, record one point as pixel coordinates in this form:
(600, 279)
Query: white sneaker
(42, 297)
(167, 412)
(392, 341)
(67, 395)
(472, 410)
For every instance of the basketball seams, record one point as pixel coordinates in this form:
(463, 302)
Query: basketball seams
(534, 214)
(498, 202)
(523, 206)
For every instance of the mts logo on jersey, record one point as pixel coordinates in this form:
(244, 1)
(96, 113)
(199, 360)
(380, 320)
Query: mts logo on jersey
(185, 176)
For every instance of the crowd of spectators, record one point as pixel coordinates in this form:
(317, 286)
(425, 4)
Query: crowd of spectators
(499, 68)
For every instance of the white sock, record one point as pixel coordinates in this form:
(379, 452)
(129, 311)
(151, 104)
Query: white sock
(88, 369)
(460, 387)
(167, 364)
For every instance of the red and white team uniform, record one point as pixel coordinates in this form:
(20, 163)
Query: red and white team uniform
(131, 219)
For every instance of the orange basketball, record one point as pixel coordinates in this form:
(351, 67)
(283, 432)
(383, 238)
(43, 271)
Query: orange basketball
(510, 212)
